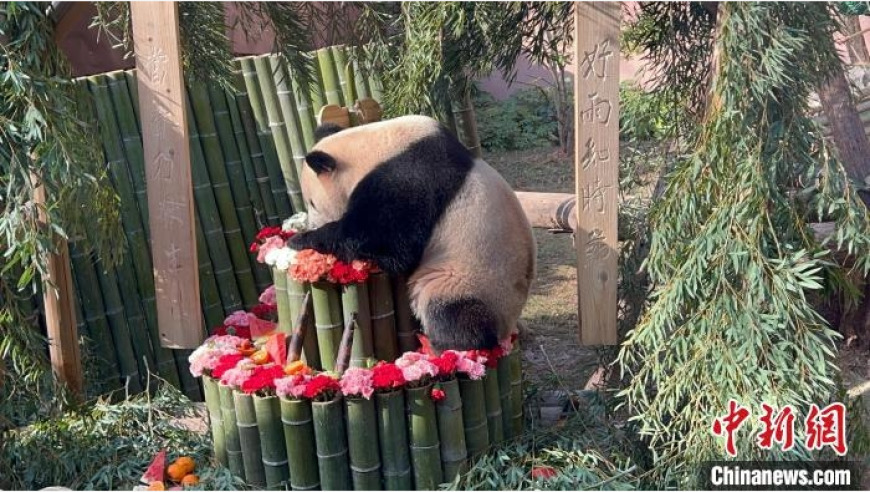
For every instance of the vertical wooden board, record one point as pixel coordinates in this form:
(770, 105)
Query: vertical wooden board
(596, 117)
(167, 172)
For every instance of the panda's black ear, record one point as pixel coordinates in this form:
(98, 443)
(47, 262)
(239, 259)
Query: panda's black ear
(326, 130)
(320, 162)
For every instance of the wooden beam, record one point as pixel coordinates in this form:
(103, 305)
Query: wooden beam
(167, 173)
(596, 118)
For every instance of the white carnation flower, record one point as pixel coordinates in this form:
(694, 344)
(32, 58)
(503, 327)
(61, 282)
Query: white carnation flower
(297, 222)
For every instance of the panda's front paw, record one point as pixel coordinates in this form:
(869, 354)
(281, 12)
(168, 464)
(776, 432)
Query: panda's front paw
(305, 240)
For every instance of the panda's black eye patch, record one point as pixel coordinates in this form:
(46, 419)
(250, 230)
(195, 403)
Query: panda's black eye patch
(320, 162)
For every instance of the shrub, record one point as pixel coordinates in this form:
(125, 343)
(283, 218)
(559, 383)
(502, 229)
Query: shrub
(524, 120)
(644, 115)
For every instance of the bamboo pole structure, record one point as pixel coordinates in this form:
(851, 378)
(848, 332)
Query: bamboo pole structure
(344, 70)
(285, 317)
(249, 439)
(212, 307)
(328, 322)
(451, 430)
(235, 461)
(290, 116)
(300, 443)
(383, 317)
(121, 334)
(329, 77)
(306, 112)
(331, 439)
(300, 300)
(406, 325)
(360, 80)
(355, 299)
(362, 439)
(493, 406)
(393, 438)
(215, 419)
(273, 446)
(474, 416)
(504, 392)
(424, 443)
(515, 360)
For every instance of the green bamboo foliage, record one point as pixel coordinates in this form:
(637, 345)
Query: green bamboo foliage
(474, 416)
(424, 443)
(329, 77)
(249, 439)
(355, 299)
(362, 438)
(393, 438)
(515, 361)
(235, 461)
(383, 317)
(332, 452)
(406, 326)
(290, 116)
(300, 443)
(285, 316)
(224, 194)
(248, 126)
(493, 406)
(504, 393)
(344, 70)
(360, 80)
(215, 419)
(296, 294)
(451, 430)
(273, 447)
(280, 131)
(266, 138)
(328, 321)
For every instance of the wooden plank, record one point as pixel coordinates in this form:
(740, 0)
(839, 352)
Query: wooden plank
(337, 115)
(168, 173)
(368, 111)
(596, 118)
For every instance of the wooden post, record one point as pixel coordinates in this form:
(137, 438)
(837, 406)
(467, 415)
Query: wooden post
(596, 118)
(168, 173)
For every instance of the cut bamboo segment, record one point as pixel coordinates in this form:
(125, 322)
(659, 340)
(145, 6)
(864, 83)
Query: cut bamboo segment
(210, 298)
(216, 421)
(329, 77)
(307, 114)
(393, 438)
(493, 406)
(249, 439)
(297, 292)
(255, 148)
(328, 322)
(290, 116)
(223, 194)
(463, 111)
(272, 443)
(332, 452)
(253, 187)
(345, 74)
(235, 461)
(504, 393)
(300, 330)
(315, 90)
(515, 360)
(355, 299)
(342, 360)
(285, 316)
(424, 443)
(280, 132)
(406, 325)
(300, 443)
(451, 430)
(474, 417)
(362, 438)
(383, 317)
(266, 138)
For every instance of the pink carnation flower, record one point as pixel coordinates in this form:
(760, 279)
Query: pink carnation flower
(206, 356)
(292, 386)
(357, 381)
(273, 242)
(239, 374)
(268, 296)
(470, 366)
(238, 318)
(416, 367)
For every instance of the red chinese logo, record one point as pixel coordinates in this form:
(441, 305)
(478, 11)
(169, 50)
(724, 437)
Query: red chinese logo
(729, 424)
(827, 427)
(777, 428)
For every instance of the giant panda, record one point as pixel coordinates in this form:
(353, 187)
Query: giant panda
(408, 195)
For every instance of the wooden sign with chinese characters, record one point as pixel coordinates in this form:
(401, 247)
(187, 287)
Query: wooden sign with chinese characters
(168, 174)
(596, 118)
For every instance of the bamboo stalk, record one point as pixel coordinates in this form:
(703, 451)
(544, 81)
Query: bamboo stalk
(249, 439)
(255, 148)
(316, 92)
(300, 443)
(189, 384)
(300, 331)
(238, 181)
(235, 461)
(515, 360)
(300, 300)
(223, 193)
(355, 300)
(272, 443)
(406, 325)
(209, 295)
(383, 317)
(328, 322)
(215, 419)
(307, 115)
(285, 319)
(289, 113)
(424, 443)
(241, 138)
(359, 78)
(267, 139)
(493, 406)
(504, 392)
(362, 438)
(342, 360)
(474, 416)
(345, 74)
(329, 77)
(465, 119)
(393, 437)
(332, 452)
(451, 430)
(280, 132)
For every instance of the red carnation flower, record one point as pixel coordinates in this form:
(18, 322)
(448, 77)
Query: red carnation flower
(263, 377)
(285, 235)
(268, 232)
(492, 356)
(254, 247)
(386, 377)
(446, 363)
(264, 311)
(225, 363)
(349, 273)
(438, 394)
(321, 385)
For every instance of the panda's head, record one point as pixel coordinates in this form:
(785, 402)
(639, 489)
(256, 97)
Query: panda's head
(343, 157)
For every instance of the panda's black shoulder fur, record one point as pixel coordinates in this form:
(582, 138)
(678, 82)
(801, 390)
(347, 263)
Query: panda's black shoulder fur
(325, 130)
(393, 210)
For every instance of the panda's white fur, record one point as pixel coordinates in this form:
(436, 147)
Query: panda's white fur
(478, 260)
